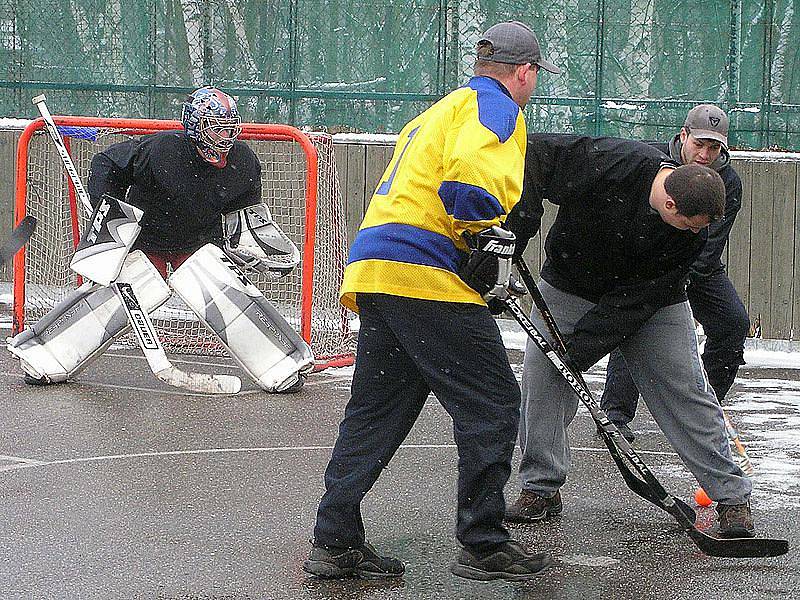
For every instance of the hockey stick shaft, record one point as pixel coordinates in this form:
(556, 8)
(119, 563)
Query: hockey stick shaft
(141, 323)
(18, 238)
(744, 460)
(66, 159)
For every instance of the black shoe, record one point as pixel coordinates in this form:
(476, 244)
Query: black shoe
(296, 387)
(342, 563)
(509, 561)
(531, 507)
(31, 380)
(735, 521)
(624, 431)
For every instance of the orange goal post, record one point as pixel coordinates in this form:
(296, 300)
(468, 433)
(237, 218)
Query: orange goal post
(299, 185)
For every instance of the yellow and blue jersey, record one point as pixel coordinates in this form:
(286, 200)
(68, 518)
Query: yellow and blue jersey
(456, 167)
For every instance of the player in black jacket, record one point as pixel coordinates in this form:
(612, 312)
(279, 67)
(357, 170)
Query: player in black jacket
(703, 140)
(630, 224)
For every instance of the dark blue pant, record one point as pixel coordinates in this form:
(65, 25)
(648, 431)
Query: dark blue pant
(406, 349)
(717, 307)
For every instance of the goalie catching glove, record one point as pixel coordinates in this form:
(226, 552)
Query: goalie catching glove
(254, 241)
(487, 269)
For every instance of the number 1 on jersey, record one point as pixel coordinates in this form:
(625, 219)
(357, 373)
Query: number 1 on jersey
(383, 188)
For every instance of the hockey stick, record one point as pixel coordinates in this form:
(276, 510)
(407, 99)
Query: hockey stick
(140, 321)
(722, 547)
(733, 434)
(18, 238)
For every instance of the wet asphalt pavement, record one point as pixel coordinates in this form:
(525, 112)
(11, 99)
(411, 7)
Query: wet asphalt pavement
(117, 486)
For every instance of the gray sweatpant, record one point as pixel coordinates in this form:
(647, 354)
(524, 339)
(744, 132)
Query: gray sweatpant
(664, 361)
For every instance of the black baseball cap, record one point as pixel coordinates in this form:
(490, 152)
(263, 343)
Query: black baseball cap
(514, 43)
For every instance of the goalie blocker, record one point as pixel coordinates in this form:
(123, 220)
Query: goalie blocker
(252, 330)
(84, 324)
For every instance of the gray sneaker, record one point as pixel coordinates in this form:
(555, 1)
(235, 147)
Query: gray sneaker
(508, 561)
(735, 520)
(531, 507)
(342, 563)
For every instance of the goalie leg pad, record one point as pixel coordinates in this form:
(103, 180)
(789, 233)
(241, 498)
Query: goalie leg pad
(253, 331)
(85, 323)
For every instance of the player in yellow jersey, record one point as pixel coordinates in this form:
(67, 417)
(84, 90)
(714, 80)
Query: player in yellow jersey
(429, 255)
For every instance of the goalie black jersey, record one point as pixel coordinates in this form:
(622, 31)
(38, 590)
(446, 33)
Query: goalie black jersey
(182, 196)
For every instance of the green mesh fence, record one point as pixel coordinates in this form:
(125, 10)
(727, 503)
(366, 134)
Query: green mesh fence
(631, 68)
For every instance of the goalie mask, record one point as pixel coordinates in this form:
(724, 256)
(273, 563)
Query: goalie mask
(211, 120)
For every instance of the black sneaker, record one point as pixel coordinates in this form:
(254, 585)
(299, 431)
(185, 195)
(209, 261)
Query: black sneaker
(735, 520)
(31, 380)
(509, 561)
(295, 387)
(624, 431)
(531, 507)
(342, 563)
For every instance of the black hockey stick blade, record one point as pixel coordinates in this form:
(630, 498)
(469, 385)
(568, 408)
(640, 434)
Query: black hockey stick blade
(738, 547)
(18, 238)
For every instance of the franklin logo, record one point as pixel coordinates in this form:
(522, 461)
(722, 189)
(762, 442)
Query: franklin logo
(496, 247)
(714, 121)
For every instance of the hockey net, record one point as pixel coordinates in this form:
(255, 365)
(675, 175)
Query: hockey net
(299, 185)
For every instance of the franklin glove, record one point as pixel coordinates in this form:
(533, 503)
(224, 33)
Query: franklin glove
(488, 266)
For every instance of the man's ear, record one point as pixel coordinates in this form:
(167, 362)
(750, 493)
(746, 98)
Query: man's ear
(684, 135)
(669, 204)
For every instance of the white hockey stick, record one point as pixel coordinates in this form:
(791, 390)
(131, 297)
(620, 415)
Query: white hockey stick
(139, 319)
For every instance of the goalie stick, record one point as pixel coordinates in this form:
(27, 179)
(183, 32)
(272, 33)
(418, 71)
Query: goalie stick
(18, 238)
(645, 485)
(157, 359)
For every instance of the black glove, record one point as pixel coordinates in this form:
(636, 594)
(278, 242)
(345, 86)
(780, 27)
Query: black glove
(496, 306)
(488, 265)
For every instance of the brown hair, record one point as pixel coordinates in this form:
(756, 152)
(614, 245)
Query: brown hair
(489, 68)
(696, 190)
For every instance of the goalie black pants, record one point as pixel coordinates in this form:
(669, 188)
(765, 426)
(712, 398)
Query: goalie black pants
(718, 308)
(406, 349)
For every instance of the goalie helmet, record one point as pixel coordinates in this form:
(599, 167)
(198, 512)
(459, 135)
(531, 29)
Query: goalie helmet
(211, 120)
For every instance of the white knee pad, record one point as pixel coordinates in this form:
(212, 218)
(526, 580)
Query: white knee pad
(255, 334)
(85, 323)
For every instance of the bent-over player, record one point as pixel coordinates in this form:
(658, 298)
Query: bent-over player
(630, 224)
(197, 196)
(702, 140)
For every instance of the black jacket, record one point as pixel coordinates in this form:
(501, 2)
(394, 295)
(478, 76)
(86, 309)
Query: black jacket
(183, 197)
(607, 245)
(709, 261)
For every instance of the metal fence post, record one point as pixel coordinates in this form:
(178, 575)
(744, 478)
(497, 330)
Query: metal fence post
(733, 54)
(598, 66)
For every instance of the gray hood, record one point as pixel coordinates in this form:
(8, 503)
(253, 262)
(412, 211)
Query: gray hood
(675, 145)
